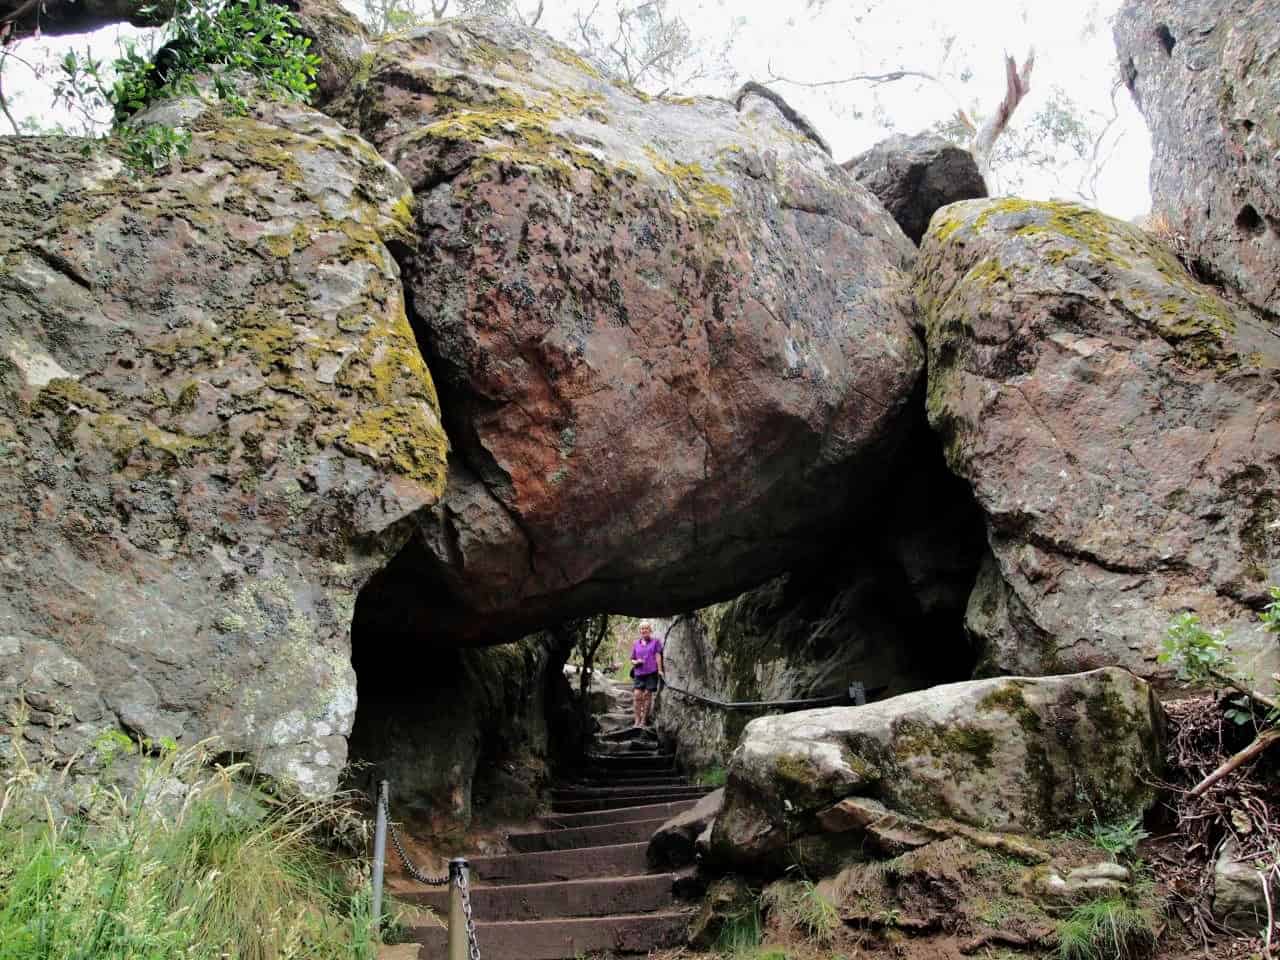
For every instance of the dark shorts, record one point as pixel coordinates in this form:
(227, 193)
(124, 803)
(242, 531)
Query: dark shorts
(646, 681)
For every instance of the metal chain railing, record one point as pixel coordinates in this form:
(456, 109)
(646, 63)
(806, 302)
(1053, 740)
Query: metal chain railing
(465, 886)
(463, 944)
(409, 866)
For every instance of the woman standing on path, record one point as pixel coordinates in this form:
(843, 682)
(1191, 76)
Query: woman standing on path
(646, 668)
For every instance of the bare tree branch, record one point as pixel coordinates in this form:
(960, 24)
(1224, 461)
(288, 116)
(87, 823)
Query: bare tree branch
(4, 103)
(1017, 86)
(1097, 161)
(875, 79)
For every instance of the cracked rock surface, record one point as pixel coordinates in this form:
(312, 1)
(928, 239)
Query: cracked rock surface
(213, 421)
(1119, 425)
(1206, 76)
(672, 337)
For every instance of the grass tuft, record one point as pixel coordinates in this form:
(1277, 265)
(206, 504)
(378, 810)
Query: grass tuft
(195, 863)
(1107, 929)
(806, 910)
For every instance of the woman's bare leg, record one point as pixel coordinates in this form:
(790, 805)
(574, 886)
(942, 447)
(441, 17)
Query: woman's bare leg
(637, 703)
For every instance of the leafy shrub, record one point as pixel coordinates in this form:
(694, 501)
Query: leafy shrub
(712, 777)
(1196, 653)
(196, 865)
(1120, 839)
(246, 40)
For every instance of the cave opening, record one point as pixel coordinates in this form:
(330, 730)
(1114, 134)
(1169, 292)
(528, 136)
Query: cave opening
(458, 731)
(884, 607)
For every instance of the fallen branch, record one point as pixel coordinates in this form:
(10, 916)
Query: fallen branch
(1259, 744)
(1256, 696)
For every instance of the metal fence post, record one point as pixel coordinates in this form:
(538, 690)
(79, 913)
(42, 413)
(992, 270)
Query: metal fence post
(379, 854)
(457, 916)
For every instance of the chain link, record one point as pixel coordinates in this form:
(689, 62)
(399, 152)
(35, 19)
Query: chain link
(409, 866)
(465, 886)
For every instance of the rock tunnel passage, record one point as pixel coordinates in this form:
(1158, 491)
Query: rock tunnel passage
(884, 605)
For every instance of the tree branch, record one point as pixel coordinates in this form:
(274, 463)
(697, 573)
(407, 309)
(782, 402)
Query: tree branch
(1259, 744)
(1257, 697)
(875, 79)
(1017, 86)
(4, 102)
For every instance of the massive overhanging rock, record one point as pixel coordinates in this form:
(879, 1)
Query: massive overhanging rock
(672, 335)
(1119, 425)
(214, 419)
(1206, 75)
(1009, 754)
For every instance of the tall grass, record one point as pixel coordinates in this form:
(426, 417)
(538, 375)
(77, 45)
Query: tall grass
(194, 864)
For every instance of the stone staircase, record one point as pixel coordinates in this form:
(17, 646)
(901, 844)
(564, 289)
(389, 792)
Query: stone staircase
(578, 882)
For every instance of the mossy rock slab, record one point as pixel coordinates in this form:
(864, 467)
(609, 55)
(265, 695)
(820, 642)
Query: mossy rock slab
(1117, 423)
(214, 423)
(1012, 754)
(671, 330)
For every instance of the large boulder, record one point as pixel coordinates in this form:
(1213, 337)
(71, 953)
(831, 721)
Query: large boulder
(1030, 755)
(672, 335)
(1206, 75)
(214, 420)
(1117, 422)
(915, 175)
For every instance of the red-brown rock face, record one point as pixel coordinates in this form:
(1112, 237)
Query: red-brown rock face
(672, 336)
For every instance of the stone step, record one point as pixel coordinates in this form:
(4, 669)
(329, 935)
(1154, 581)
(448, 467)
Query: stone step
(605, 793)
(661, 761)
(566, 939)
(591, 818)
(630, 734)
(542, 901)
(574, 838)
(617, 860)
(619, 777)
(663, 781)
(613, 803)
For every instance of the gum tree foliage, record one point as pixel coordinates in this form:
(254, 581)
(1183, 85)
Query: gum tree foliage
(1062, 136)
(230, 48)
(647, 43)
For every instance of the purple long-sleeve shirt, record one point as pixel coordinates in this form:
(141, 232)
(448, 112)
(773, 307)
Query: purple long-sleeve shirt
(647, 654)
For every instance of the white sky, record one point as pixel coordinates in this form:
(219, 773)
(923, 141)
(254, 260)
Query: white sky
(1071, 38)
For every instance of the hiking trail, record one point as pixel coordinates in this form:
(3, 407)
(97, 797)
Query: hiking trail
(577, 880)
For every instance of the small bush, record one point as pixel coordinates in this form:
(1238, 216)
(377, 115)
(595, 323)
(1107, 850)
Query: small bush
(1120, 839)
(218, 869)
(252, 43)
(712, 777)
(1107, 929)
